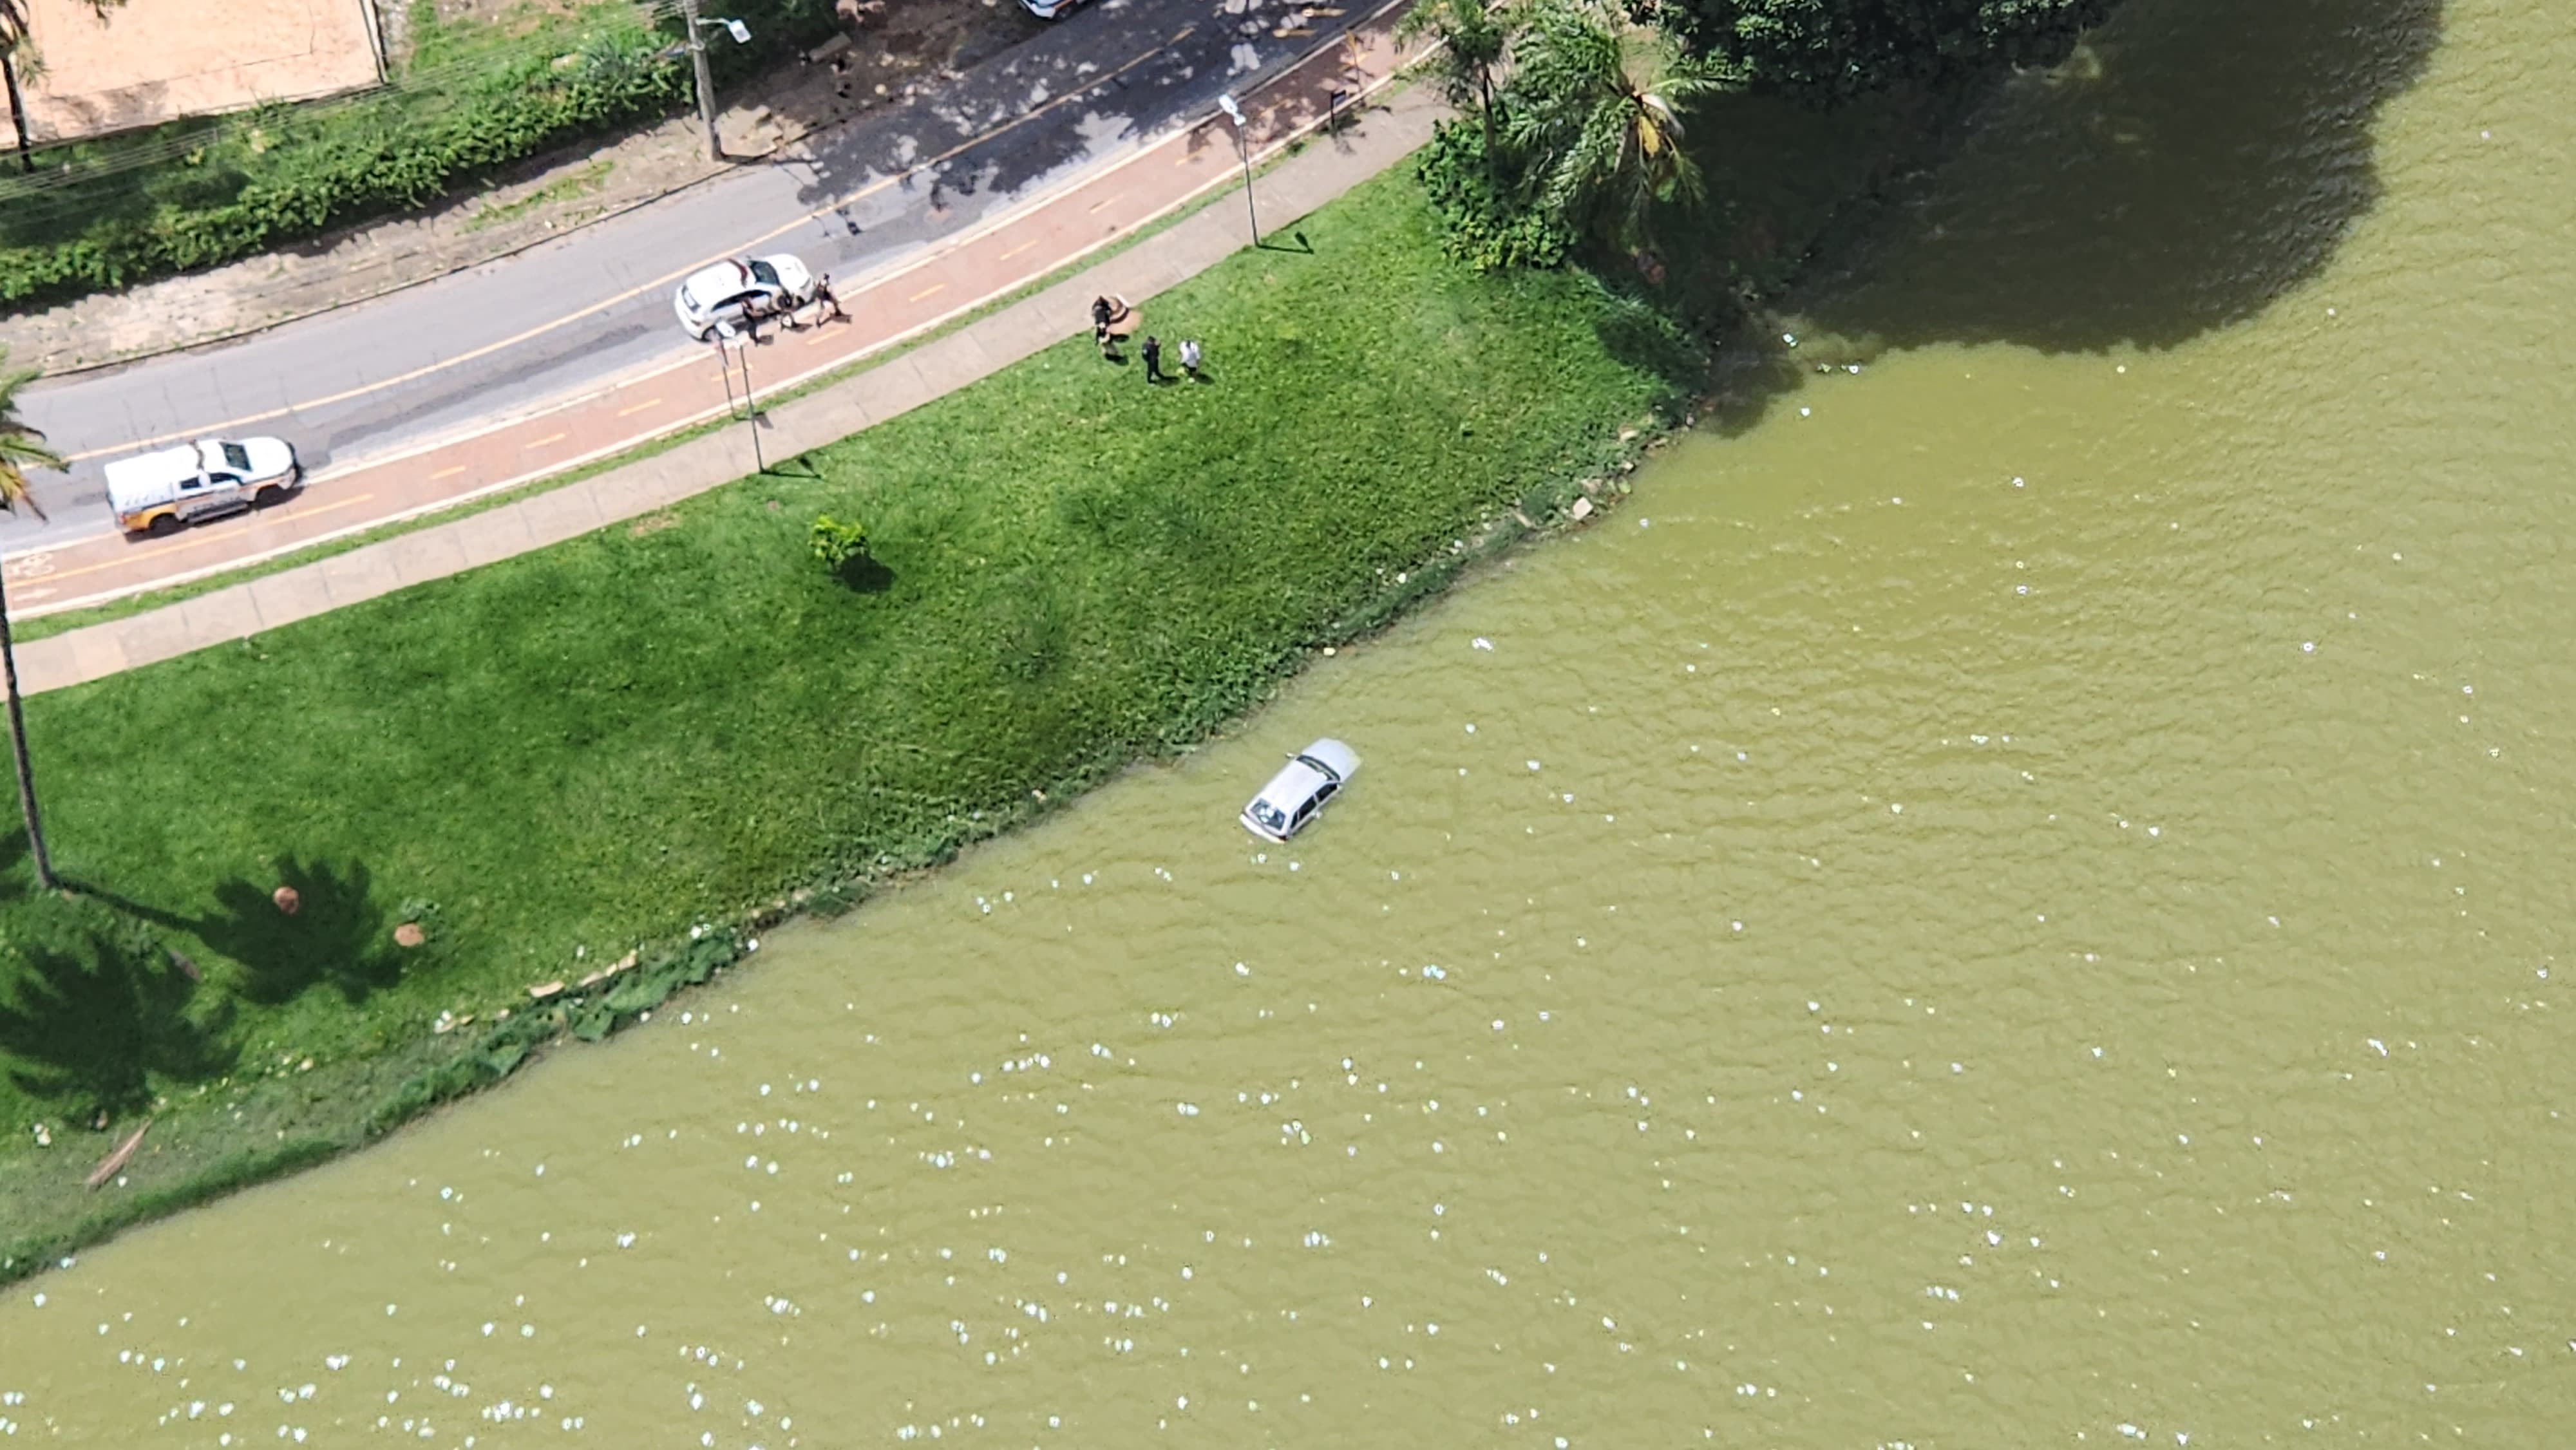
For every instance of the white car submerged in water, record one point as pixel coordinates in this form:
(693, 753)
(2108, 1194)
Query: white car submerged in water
(1311, 777)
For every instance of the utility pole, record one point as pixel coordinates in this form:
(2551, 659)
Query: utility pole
(706, 81)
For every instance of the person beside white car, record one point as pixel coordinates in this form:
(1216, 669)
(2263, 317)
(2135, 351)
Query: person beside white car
(730, 297)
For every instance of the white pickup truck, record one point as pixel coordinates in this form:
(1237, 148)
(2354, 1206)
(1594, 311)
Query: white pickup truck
(159, 492)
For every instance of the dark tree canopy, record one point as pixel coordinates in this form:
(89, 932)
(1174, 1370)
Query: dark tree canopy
(1830, 48)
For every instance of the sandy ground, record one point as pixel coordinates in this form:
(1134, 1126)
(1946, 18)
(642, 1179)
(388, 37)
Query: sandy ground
(892, 52)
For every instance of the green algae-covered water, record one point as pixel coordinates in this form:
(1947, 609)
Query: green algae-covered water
(2015, 896)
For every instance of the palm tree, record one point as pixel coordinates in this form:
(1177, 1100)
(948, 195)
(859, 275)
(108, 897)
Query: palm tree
(1471, 36)
(1602, 117)
(20, 448)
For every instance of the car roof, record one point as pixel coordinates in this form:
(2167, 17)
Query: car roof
(721, 280)
(1334, 756)
(1294, 784)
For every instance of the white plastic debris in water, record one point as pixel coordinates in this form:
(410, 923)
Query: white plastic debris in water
(1481, 642)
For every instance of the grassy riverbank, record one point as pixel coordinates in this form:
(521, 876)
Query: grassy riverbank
(552, 761)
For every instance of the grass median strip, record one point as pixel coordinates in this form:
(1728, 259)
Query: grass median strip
(552, 761)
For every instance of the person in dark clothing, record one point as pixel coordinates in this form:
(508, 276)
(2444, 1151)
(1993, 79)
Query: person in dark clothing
(1100, 314)
(1153, 359)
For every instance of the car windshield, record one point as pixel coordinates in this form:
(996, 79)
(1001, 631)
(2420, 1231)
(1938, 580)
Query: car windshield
(1269, 815)
(764, 274)
(237, 456)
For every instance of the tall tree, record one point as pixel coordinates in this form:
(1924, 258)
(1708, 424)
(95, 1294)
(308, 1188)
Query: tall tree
(1826, 49)
(1600, 108)
(1472, 37)
(21, 448)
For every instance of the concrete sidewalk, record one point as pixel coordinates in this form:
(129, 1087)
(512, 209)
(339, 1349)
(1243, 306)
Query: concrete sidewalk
(1376, 139)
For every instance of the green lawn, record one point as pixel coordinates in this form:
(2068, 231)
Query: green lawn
(598, 746)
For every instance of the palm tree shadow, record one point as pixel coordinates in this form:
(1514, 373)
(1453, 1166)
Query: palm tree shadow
(337, 935)
(94, 1021)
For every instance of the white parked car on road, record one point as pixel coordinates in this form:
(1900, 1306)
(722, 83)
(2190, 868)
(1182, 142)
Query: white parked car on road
(158, 492)
(728, 293)
(1311, 777)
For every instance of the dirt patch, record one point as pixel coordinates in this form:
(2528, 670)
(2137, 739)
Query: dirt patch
(651, 524)
(902, 47)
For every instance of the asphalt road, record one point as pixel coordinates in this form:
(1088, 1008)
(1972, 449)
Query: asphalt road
(505, 337)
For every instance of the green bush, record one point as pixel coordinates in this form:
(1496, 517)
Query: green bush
(1485, 220)
(837, 543)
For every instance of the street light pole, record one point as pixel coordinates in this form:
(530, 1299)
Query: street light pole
(706, 80)
(1243, 143)
(750, 402)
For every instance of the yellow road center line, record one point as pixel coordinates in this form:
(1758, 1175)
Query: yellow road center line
(1015, 251)
(447, 473)
(640, 407)
(201, 540)
(926, 291)
(1106, 200)
(664, 280)
(549, 438)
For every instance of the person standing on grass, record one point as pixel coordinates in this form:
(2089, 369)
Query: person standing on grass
(1153, 359)
(1100, 322)
(1190, 357)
